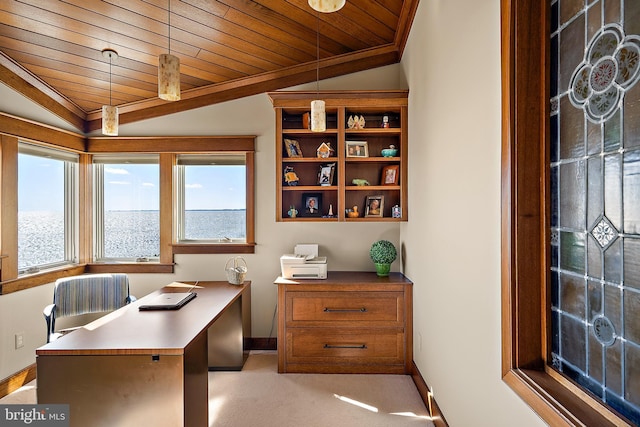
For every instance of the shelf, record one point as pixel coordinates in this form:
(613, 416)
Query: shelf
(309, 188)
(377, 107)
(372, 159)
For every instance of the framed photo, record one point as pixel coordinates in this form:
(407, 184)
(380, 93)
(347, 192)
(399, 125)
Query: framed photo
(312, 203)
(325, 176)
(390, 175)
(293, 148)
(374, 206)
(357, 149)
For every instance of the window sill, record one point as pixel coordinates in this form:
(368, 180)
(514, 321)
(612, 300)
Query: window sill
(133, 267)
(213, 248)
(28, 281)
(556, 404)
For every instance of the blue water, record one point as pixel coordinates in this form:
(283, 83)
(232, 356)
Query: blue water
(127, 233)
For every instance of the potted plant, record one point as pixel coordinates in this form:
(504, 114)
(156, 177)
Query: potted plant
(383, 253)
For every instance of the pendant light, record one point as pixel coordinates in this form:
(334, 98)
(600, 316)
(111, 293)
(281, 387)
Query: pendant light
(109, 112)
(326, 6)
(169, 72)
(318, 115)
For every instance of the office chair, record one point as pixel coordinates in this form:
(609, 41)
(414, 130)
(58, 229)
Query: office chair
(89, 293)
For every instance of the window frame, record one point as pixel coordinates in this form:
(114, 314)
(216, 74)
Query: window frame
(99, 163)
(202, 159)
(71, 215)
(525, 221)
(14, 128)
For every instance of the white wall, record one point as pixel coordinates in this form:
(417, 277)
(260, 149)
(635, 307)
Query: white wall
(452, 240)
(345, 245)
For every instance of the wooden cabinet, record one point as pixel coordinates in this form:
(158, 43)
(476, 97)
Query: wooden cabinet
(352, 322)
(356, 154)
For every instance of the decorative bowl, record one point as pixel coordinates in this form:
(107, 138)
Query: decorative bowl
(389, 152)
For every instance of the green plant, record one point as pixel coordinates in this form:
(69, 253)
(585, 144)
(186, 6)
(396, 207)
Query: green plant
(383, 252)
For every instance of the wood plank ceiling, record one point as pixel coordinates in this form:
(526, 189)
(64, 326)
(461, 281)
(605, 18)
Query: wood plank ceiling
(51, 50)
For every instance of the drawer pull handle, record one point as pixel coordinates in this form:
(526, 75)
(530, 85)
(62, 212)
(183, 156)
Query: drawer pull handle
(345, 310)
(361, 346)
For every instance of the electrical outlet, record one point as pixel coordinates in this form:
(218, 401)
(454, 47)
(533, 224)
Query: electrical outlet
(19, 340)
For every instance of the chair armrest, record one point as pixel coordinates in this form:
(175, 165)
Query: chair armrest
(48, 310)
(49, 317)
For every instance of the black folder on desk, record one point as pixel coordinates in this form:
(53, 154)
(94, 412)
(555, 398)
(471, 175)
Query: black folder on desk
(168, 301)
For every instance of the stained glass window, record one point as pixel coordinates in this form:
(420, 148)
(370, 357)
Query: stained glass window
(595, 198)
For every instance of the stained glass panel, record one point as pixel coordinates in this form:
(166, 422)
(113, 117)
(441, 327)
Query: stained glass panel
(595, 198)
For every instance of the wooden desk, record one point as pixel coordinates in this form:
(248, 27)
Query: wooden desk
(136, 368)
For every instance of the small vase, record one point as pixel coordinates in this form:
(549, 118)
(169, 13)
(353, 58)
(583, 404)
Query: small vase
(383, 269)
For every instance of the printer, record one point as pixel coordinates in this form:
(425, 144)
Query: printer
(304, 263)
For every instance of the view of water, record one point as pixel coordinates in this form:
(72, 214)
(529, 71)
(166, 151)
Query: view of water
(127, 233)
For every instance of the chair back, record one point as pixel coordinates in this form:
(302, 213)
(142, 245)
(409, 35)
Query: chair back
(90, 293)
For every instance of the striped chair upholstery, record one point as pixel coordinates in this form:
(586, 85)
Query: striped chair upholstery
(89, 293)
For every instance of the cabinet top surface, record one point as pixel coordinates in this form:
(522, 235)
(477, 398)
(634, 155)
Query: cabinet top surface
(349, 278)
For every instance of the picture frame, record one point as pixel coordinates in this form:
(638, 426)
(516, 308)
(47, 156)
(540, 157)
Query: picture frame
(293, 148)
(374, 206)
(325, 176)
(390, 175)
(312, 204)
(357, 149)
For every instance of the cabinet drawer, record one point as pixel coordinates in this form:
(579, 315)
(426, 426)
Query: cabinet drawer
(345, 346)
(381, 308)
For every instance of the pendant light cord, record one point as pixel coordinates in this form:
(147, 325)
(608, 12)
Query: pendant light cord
(318, 53)
(110, 58)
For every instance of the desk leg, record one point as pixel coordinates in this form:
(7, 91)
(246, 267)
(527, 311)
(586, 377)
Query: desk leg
(225, 340)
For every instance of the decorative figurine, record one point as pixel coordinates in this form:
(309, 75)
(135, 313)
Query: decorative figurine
(359, 182)
(290, 177)
(356, 122)
(330, 214)
(353, 213)
(392, 151)
(324, 150)
(385, 121)
(292, 212)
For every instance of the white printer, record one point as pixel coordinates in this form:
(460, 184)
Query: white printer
(304, 263)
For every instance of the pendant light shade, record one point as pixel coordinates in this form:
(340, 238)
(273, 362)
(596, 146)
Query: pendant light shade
(169, 77)
(169, 71)
(110, 112)
(326, 6)
(109, 120)
(318, 116)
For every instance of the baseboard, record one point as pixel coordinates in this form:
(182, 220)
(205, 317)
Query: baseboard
(17, 380)
(423, 389)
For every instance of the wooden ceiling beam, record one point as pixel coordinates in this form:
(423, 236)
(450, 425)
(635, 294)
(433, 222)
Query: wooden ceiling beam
(25, 83)
(279, 79)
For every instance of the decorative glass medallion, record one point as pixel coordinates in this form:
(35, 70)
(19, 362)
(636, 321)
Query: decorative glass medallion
(610, 66)
(604, 232)
(604, 331)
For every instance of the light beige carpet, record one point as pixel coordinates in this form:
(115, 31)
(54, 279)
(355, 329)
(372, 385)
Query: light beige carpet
(259, 396)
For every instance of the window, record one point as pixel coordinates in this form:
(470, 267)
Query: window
(211, 198)
(127, 216)
(47, 213)
(117, 207)
(528, 247)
